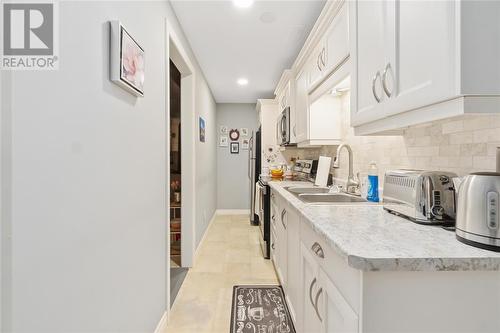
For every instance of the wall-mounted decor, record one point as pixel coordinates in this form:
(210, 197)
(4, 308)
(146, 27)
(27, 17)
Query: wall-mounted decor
(244, 131)
(223, 130)
(245, 143)
(234, 134)
(202, 129)
(235, 147)
(223, 141)
(126, 60)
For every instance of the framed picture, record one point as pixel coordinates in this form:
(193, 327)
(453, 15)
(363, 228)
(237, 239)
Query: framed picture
(127, 60)
(202, 129)
(223, 141)
(245, 143)
(235, 147)
(244, 131)
(223, 130)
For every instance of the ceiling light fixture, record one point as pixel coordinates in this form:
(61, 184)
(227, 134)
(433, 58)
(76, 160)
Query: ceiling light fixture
(242, 81)
(243, 3)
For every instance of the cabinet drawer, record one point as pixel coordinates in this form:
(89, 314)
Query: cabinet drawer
(347, 279)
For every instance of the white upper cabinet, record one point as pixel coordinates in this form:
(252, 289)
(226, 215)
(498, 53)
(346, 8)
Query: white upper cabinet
(419, 61)
(332, 49)
(301, 105)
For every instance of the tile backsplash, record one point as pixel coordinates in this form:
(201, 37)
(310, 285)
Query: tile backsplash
(462, 145)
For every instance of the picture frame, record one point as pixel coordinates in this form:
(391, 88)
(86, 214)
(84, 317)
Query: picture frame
(223, 130)
(245, 144)
(244, 131)
(127, 60)
(223, 141)
(202, 129)
(234, 135)
(235, 148)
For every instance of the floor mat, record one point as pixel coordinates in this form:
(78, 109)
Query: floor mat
(260, 309)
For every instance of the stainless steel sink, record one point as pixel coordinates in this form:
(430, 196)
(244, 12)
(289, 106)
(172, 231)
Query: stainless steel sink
(332, 198)
(307, 190)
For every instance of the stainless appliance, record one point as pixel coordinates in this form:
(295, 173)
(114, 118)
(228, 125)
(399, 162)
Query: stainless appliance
(478, 208)
(265, 218)
(426, 197)
(253, 171)
(306, 169)
(283, 130)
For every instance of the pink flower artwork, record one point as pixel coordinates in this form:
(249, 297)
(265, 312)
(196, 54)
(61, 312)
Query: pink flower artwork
(132, 63)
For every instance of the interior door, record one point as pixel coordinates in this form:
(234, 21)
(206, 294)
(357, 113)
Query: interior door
(337, 315)
(309, 321)
(368, 57)
(420, 66)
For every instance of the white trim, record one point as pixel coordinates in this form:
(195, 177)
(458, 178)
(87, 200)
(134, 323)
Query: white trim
(162, 325)
(233, 212)
(212, 220)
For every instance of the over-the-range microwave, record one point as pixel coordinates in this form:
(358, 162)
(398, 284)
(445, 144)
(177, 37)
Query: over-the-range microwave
(284, 130)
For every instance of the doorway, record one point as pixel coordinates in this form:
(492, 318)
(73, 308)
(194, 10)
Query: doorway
(181, 168)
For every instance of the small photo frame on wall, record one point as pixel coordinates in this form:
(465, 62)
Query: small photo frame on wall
(244, 131)
(223, 141)
(245, 143)
(235, 148)
(126, 60)
(223, 130)
(202, 129)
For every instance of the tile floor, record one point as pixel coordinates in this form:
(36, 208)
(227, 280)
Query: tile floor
(229, 255)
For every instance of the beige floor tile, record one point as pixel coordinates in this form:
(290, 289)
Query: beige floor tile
(229, 255)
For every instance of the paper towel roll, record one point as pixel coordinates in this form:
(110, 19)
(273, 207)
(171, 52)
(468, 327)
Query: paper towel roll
(323, 171)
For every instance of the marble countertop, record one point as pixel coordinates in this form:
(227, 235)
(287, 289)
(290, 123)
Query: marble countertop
(371, 239)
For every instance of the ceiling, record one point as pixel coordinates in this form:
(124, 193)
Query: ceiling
(256, 43)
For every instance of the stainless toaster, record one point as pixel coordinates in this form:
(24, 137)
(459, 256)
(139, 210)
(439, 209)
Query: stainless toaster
(426, 197)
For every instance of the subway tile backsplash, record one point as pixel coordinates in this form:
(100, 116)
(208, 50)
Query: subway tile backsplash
(462, 145)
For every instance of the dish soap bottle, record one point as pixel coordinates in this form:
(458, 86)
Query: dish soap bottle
(372, 183)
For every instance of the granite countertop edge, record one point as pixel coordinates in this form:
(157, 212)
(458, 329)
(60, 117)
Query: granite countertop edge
(471, 258)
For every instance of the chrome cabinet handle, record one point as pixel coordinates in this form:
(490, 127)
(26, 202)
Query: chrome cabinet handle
(310, 292)
(316, 304)
(295, 130)
(282, 218)
(374, 80)
(318, 250)
(317, 63)
(272, 246)
(384, 83)
(323, 57)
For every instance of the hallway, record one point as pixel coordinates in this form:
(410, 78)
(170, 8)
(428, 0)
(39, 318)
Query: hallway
(229, 255)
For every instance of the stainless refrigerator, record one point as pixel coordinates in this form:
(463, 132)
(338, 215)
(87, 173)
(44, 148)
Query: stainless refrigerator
(254, 164)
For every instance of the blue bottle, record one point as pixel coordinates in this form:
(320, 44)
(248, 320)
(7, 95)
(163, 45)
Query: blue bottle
(373, 183)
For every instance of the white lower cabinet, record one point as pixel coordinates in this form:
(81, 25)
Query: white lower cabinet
(324, 310)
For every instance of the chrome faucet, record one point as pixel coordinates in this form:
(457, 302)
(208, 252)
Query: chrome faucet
(352, 185)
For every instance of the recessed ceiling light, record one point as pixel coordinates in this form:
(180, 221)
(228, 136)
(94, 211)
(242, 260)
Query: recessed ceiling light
(242, 81)
(243, 3)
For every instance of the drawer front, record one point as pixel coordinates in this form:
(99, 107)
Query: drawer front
(345, 278)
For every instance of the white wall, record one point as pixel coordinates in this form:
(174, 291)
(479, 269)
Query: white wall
(233, 186)
(88, 196)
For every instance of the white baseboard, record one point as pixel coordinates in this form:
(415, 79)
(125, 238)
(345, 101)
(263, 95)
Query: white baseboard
(162, 325)
(205, 234)
(233, 212)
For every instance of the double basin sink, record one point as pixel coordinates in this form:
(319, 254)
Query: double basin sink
(322, 195)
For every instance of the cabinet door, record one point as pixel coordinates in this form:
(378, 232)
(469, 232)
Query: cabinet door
(301, 105)
(308, 319)
(337, 40)
(421, 62)
(336, 314)
(282, 236)
(293, 262)
(366, 26)
(317, 64)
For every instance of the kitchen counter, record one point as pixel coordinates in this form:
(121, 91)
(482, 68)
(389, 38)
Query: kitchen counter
(371, 239)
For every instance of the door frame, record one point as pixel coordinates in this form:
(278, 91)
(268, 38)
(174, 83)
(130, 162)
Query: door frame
(176, 52)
